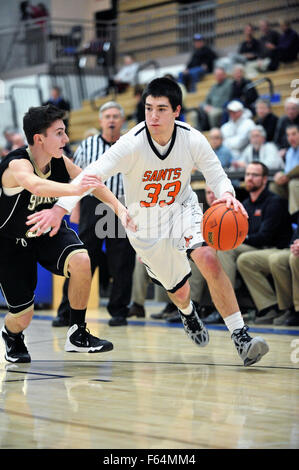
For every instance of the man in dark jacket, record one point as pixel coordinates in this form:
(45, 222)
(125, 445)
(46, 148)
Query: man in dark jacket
(241, 90)
(201, 62)
(288, 45)
(269, 231)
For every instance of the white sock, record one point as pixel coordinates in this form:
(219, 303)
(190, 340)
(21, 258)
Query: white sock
(188, 310)
(234, 321)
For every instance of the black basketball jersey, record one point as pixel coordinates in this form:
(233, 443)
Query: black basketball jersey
(15, 209)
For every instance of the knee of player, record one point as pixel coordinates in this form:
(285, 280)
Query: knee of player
(207, 261)
(78, 263)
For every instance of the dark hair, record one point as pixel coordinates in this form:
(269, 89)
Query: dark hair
(264, 167)
(164, 87)
(38, 119)
(292, 126)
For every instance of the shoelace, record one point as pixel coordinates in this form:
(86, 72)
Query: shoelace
(242, 335)
(192, 321)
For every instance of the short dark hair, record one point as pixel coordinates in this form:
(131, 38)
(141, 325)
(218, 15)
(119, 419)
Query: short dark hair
(38, 119)
(264, 167)
(292, 126)
(164, 87)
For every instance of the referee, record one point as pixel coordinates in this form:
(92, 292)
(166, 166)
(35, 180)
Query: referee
(98, 223)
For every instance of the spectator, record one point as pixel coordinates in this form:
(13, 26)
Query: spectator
(216, 99)
(120, 254)
(222, 152)
(269, 227)
(288, 45)
(268, 56)
(250, 48)
(141, 280)
(201, 62)
(18, 141)
(260, 150)
(266, 118)
(236, 131)
(126, 76)
(57, 99)
(291, 116)
(240, 89)
(284, 267)
(8, 134)
(286, 183)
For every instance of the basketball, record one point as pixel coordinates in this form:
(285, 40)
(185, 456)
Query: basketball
(223, 228)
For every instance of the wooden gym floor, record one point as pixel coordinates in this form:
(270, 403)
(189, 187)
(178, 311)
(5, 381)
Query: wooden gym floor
(155, 390)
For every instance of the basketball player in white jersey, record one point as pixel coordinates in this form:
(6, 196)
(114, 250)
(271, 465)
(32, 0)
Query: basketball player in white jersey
(156, 159)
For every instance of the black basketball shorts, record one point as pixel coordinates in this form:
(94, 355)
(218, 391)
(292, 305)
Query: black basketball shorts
(18, 264)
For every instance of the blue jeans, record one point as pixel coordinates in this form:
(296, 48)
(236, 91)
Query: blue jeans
(192, 77)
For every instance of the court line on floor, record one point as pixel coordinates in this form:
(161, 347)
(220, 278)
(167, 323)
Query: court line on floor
(252, 328)
(161, 363)
(125, 432)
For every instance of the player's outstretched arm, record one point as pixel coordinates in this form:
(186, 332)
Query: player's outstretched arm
(21, 173)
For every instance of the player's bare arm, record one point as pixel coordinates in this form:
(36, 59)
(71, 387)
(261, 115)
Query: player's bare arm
(21, 173)
(53, 217)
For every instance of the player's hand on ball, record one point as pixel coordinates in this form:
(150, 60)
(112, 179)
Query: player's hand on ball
(46, 219)
(231, 202)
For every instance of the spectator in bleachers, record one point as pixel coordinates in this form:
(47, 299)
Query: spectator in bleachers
(8, 134)
(291, 116)
(200, 63)
(269, 223)
(222, 152)
(284, 267)
(249, 49)
(236, 131)
(288, 45)
(268, 56)
(260, 150)
(240, 89)
(211, 110)
(286, 183)
(266, 118)
(18, 140)
(126, 76)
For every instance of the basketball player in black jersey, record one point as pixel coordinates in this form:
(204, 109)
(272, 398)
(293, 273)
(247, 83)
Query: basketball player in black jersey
(31, 179)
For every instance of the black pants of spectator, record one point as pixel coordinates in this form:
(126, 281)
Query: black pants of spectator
(120, 261)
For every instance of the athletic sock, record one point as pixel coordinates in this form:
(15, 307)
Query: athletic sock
(188, 310)
(10, 333)
(234, 321)
(77, 316)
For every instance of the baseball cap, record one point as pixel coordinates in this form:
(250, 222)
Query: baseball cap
(198, 37)
(235, 106)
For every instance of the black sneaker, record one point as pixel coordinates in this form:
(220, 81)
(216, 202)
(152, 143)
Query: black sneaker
(195, 328)
(136, 310)
(167, 312)
(117, 321)
(80, 340)
(60, 321)
(16, 350)
(250, 350)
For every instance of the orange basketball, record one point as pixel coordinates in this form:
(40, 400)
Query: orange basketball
(223, 228)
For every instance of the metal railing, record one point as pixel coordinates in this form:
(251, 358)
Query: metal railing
(98, 45)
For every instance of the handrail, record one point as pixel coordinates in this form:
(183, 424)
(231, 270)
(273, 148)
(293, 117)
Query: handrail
(258, 82)
(144, 66)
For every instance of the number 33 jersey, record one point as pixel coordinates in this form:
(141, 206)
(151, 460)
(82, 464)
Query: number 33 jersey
(157, 178)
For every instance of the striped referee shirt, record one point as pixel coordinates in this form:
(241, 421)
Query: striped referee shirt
(91, 150)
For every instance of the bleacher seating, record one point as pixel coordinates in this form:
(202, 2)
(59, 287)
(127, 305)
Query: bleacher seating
(86, 117)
